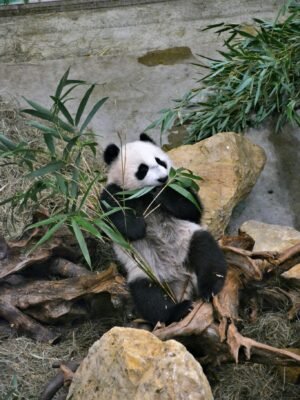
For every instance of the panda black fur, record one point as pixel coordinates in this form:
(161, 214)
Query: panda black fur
(170, 239)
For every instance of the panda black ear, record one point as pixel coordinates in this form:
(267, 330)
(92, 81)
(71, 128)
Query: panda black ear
(145, 138)
(111, 153)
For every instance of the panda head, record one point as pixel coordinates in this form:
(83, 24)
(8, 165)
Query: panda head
(137, 164)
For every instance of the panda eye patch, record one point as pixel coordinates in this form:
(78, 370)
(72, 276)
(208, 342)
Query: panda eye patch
(161, 162)
(142, 171)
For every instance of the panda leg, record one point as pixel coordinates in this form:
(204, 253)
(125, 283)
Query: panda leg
(206, 259)
(154, 305)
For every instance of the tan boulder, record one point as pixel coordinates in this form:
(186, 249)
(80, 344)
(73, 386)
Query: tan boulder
(230, 165)
(292, 273)
(269, 237)
(134, 364)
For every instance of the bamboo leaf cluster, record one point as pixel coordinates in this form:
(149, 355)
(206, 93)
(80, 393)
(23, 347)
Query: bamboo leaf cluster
(257, 77)
(58, 171)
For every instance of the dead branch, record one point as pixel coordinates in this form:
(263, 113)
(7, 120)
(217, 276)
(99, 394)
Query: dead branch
(3, 248)
(55, 298)
(200, 325)
(289, 257)
(11, 264)
(58, 381)
(263, 352)
(24, 324)
(199, 319)
(67, 269)
(242, 241)
(241, 259)
(226, 303)
(37, 292)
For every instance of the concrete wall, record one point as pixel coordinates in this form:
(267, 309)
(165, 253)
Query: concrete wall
(105, 44)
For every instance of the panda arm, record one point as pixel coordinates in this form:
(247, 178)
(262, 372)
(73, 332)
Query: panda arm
(131, 225)
(207, 260)
(154, 305)
(179, 206)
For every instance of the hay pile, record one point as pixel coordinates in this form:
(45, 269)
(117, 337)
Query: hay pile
(256, 381)
(26, 366)
(13, 125)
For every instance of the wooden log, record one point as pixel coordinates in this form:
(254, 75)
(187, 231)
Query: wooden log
(58, 380)
(37, 292)
(55, 297)
(67, 269)
(24, 324)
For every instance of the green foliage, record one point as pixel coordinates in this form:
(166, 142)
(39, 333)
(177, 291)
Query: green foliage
(182, 181)
(258, 76)
(13, 392)
(60, 175)
(10, 2)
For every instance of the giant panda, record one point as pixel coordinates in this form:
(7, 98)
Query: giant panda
(179, 251)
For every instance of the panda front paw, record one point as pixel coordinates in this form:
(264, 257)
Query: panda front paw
(211, 287)
(179, 311)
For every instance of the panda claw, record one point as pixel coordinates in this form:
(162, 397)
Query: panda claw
(180, 310)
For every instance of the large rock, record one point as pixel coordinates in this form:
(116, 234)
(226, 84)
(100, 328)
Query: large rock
(230, 165)
(134, 364)
(270, 237)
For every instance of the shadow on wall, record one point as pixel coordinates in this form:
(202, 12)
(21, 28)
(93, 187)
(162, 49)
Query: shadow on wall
(287, 151)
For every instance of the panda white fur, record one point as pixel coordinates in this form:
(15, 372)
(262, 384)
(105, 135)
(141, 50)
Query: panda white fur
(178, 250)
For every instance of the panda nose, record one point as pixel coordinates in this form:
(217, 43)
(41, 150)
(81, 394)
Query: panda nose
(163, 180)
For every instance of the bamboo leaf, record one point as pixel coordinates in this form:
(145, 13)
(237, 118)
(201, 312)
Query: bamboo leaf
(191, 175)
(62, 83)
(49, 234)
(172, 173)
(83, 104)
(112, 233)
(81, 241)
(7, 142)
(135, 193)
(75, 181)
(86, 225)
(92, 113)
(47, 221)
(63, 97)
(212, 26)
(244, 84)
(50, 143)
(87, 192)
(66, 82)
(47, 129)
(62, 184)
(49, 168)
(62, 108)
(69, 146)
(50, 117)
(185, 194)
(44, 113)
